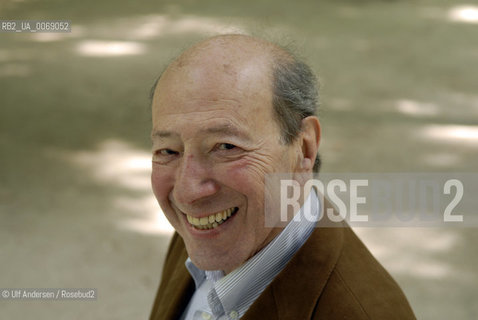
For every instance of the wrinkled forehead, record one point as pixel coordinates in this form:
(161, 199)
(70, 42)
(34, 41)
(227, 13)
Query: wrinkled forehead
(215, 75)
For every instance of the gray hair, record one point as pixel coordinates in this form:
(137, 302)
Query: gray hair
(295, 97)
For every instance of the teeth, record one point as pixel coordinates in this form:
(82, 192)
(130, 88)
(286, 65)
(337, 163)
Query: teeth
(211, 221)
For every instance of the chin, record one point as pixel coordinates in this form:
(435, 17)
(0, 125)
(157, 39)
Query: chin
(226, 262)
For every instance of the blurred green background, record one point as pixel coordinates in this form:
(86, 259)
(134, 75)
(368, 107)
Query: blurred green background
(399, 85)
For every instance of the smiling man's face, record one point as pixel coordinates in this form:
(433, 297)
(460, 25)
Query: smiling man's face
(214, 139)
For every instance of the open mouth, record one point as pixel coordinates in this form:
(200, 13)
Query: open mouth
(212, 221)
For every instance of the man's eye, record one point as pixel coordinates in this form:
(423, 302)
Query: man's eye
(167, 152)
(226, 146)
(164, 156)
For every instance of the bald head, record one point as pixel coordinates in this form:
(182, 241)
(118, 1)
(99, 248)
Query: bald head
(226, 60)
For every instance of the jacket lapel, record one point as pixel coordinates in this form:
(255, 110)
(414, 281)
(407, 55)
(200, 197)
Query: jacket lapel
(294, 293)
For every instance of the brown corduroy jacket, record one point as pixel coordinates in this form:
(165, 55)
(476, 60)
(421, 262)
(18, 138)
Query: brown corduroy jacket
(332, 276)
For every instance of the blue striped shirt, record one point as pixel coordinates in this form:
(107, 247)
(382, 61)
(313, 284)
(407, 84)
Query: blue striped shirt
(222, 297)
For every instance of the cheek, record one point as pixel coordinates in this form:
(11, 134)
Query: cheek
(245, 177)
(161, 182)
(252, 169)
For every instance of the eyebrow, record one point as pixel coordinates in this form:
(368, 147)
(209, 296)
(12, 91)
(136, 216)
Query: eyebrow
(226, 130)
(162, 134)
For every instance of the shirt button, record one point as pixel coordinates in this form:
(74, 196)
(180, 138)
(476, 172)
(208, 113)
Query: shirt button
(233, 314)
(206, 316)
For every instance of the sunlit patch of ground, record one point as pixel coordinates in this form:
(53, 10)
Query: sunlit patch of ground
(416, 108)
(452, 133)
(117, 163)
(464, 14)
(95, 48)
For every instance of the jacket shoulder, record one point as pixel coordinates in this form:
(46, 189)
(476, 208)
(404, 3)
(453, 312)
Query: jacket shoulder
(360, 288)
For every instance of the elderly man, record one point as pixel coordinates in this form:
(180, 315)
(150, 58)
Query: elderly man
(226, 113)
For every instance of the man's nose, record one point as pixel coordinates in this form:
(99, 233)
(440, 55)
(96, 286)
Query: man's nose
(194, 180)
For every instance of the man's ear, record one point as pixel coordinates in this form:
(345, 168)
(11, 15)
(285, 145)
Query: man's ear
(310, 139)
